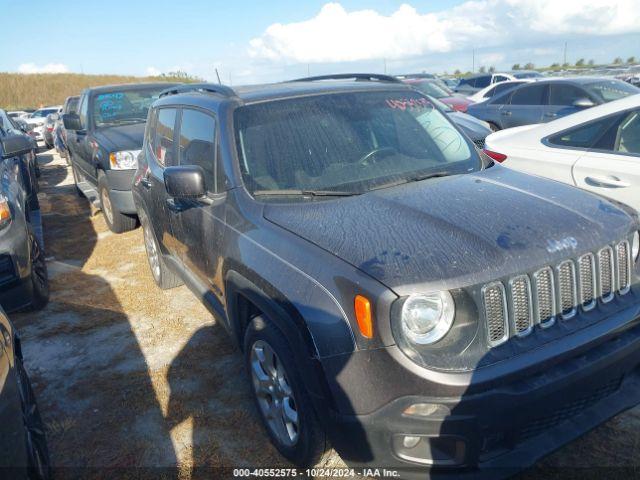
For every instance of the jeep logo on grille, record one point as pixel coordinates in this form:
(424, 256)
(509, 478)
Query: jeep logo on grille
(559, 245)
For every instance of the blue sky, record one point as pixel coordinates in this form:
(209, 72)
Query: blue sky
(241, 40)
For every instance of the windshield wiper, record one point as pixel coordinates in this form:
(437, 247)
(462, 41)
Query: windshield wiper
(312, 193)
(415, 178)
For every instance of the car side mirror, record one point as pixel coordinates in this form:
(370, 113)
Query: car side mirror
(71, 121)
(185, 182)
(583, 103)
(14, 145)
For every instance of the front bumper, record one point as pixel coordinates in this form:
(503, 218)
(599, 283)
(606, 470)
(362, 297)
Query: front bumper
(498, 431)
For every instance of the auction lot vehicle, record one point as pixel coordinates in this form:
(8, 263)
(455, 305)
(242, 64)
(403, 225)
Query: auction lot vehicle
(23, 443)
(546, 100)
(104, 139)
(38, 118)
(597, 149)
(23, 270)
(60, 133)
(339, 228)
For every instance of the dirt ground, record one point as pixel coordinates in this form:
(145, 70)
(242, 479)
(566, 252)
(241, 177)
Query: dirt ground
(128, 375)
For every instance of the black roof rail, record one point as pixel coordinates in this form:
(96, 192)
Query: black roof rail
(345, 76)
(199, 87)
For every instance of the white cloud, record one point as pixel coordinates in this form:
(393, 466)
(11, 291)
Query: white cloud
(152, 71)
(47, 68)
(336, 35)
(491, 59)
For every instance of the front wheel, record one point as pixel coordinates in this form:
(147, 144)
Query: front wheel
(117, 221)
(280, 396)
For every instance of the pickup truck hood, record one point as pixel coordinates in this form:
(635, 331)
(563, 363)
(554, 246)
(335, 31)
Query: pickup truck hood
(125, 137)
(456, 231)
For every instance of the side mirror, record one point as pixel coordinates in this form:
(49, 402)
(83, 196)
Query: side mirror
(71, 121)
(583, 103)
(14, 145)
(185, 182)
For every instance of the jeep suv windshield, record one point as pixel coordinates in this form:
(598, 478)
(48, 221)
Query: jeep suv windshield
(123, 107)
(347, 143)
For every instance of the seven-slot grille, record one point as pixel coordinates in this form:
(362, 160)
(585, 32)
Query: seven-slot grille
(553, 293)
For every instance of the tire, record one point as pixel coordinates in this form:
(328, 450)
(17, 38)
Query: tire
(39, 464)
(75, 180)
(304, 442)
(164, 277)
(116, 221)
(39, 276)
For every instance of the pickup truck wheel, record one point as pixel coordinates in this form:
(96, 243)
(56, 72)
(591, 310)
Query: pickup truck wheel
(39, 275)
(75, 180)
(162, 275)
(116, 221)
(280, 396)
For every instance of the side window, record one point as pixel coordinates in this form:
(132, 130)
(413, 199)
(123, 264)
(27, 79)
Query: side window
(563, 94)
(84, 108)
(628, 134)
(482, 82)
(499, 78)
(529, 95)
(151, 126)
(491, 92)
(163, 138)
(583, 136)
(197, 143)
(503, 87)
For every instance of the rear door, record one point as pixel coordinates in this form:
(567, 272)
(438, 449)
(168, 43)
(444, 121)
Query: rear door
(160, 152)
(526, 106)
(561, 99)
(612, 167)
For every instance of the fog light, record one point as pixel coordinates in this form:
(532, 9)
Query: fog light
(427, 410)
(410, 441)
(442, 450)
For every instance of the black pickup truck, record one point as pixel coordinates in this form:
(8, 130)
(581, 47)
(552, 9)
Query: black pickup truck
(104, 139)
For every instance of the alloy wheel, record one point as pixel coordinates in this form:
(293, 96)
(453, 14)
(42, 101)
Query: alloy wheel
(273, 391)
(106, 206)
(152, 252)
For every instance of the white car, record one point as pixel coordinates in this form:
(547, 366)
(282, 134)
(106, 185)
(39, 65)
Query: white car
(597, 149)
(38, 118)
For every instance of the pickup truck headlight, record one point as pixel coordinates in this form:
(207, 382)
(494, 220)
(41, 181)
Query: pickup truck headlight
(426, 318)
(635, 246)
(124, 159)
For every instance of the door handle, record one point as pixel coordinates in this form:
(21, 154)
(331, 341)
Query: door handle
(610, 182)
(506, 113)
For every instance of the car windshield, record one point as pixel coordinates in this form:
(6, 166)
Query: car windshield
(347, 143)
(610, 90)
(431, 88)
(124, 107)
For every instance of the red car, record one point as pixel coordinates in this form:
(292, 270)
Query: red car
(437, 89)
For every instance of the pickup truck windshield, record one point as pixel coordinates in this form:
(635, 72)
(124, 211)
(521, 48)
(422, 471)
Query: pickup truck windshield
(347, 142)
(123, 107)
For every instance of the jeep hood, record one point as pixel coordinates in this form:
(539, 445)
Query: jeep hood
(456, 231)
(125, 137)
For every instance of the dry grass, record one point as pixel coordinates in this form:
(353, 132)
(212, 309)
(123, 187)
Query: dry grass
(19, 91)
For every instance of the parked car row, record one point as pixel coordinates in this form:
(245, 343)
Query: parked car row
(23, 285)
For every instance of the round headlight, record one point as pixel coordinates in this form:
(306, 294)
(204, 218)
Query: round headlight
(426, 318)
(635, 246)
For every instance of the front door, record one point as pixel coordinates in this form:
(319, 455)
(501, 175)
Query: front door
(525, 107)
